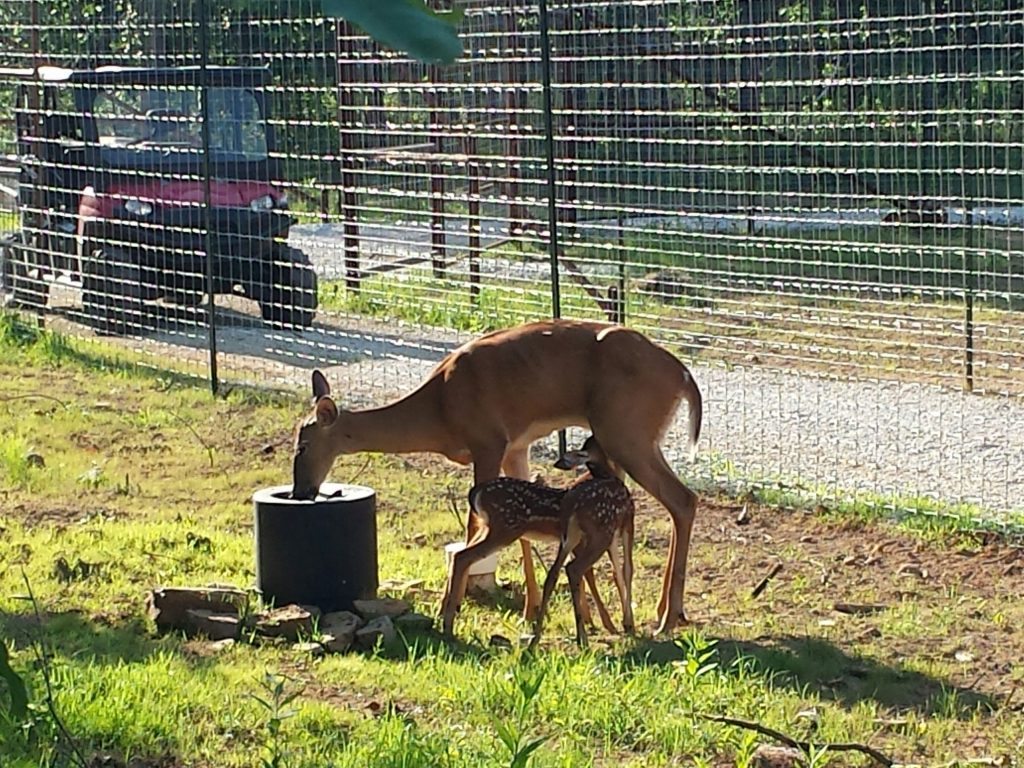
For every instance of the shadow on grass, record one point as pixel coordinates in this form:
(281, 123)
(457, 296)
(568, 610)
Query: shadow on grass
(822, 668)
(70, 634)
(54, 636)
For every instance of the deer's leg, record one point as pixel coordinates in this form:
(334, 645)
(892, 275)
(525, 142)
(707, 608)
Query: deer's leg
(516, 463)
(569, 540)
(480, 548)
(623, 571)
(602, 610)
(583, 559)
(486, 466)
(647, 465)
(618, 575)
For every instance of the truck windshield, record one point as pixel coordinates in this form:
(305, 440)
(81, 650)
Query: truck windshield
(168, 119)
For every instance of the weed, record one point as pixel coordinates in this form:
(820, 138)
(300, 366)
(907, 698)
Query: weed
(277, 696)
(15, 464)
(513, 732)
(700, 656)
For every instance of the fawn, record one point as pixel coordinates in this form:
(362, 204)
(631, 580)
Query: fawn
(597, 515)
(511, 509)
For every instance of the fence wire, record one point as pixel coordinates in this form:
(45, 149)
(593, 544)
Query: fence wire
(818, 205)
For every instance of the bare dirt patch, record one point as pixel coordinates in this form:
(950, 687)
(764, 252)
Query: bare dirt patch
(862, 610)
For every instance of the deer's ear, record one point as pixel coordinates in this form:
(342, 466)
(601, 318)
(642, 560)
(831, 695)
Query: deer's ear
(320, 386)
(326, 411)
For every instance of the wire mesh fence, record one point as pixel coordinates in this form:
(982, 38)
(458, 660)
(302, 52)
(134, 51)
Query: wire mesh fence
(817, 204)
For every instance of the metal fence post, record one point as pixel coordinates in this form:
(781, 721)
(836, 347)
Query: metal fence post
(549, 150)
(549, 142)
(204, 91)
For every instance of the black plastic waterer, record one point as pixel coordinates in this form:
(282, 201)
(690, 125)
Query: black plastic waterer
(321, 552)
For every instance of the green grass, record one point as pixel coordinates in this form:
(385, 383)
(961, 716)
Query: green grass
(421, 298)
(172, 462)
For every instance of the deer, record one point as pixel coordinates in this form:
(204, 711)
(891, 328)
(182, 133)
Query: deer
(488, 400)
(597, 515)
(511, 509)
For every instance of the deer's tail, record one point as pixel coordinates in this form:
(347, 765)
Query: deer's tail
(691, 393)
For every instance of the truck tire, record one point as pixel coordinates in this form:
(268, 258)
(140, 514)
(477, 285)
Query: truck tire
(288, 295)
(112, 293)
(21, 281)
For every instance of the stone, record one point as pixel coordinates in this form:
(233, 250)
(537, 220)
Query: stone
(288, 622)
(384, 606)
(168, 606)
(313, 649)
(381, 629)
(776, 757)
(413, 622)
(214, 625)
(338, 630)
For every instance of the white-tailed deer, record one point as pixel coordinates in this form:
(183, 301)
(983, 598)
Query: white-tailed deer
(488, 400)
(597, 516)
(510, 509)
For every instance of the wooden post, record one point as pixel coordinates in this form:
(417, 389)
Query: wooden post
(346, 121)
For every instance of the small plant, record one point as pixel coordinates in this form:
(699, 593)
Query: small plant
(699, 655)
(40, 729)
(277, 696)
(15, 466)
(513, 733)
(93, 478)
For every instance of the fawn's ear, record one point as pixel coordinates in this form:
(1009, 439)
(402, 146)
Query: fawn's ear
(326, 411)
(320, 386)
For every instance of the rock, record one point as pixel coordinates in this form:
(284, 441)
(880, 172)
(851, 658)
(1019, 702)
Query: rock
(34, 459)
(338, 630)
(313, 649)
(776, 757)
(385, 606)
(414, 622)
(381, 629)
(222, 645)
(168, 606)
(214, 625)
(288, 621)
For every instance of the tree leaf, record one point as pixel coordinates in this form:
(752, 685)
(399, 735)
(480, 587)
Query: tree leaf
(15, 685)
(405, 25)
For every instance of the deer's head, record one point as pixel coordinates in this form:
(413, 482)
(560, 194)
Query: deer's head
(591, 455)
(314, 450)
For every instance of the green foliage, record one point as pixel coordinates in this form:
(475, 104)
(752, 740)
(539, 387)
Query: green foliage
(278, 695)
(16, 469)
(406, 25)
(521, 690)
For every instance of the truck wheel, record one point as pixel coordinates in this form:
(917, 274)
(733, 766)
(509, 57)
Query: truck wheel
(112, 293)
(288, 298)
(21, 282)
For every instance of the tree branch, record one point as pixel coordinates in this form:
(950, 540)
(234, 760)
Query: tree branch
(803, 746)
